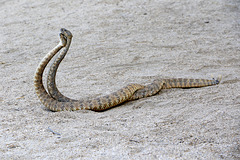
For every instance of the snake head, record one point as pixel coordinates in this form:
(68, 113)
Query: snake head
(66, 33)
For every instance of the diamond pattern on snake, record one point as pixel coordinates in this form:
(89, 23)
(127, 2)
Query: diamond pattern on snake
(56, 101)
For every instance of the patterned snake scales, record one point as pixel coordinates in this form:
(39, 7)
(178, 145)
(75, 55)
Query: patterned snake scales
(55, 101)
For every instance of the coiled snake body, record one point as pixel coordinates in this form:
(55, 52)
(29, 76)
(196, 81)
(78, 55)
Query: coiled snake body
(55, 101)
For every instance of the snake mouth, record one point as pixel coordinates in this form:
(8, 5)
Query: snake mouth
(62, 31)
(61, 34)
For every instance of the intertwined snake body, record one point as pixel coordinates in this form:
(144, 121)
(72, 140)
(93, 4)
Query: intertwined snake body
(55, 101)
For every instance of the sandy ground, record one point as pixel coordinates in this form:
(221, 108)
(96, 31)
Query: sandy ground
(116, 43)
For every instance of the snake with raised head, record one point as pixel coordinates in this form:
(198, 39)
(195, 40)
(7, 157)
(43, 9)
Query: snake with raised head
(96, 104)
(148, 90)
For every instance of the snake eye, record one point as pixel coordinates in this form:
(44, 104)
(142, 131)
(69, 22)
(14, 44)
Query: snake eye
(62, 29)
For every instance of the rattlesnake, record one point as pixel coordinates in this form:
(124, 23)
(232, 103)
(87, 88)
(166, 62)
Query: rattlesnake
(96, 104)
(148, 90)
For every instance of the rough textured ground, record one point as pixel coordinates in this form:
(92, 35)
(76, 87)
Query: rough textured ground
(115, 43)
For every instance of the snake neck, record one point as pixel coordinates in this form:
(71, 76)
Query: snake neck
(51, 77)
(39, 88)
